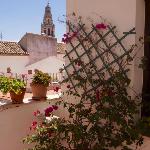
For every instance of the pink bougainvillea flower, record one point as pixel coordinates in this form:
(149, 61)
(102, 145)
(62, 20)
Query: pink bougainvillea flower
(48, 111)
(69, 36)
(101, 26)
(65, 35)
(74, 34)
(66, 38)
(55, 107)
(63, 40)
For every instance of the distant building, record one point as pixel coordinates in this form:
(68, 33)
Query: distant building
(34, 51)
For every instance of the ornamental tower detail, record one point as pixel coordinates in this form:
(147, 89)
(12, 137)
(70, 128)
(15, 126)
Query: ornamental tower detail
(47, 27)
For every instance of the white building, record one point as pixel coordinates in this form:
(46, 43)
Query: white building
(34, 51)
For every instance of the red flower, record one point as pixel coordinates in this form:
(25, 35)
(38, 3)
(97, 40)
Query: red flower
(48, 111)
(49, 134)
(79, 62)
(55, 107)
(68, 86)
(74, 34)
(111, 93)
(33, 126)
(36, 113)
(34, 123)
(101, 26)
(56, 89)
(97, 95)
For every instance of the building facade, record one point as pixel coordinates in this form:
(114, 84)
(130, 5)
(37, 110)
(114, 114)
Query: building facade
(34, 51)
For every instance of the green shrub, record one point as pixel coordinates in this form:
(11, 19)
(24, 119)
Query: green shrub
(41, 78)
(8, 84)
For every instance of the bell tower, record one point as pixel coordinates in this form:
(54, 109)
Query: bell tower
(47, 27)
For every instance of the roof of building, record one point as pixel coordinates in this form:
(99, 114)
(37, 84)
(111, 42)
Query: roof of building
(61, 48)
(11, 48)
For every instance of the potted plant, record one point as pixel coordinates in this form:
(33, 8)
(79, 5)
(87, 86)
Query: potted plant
(39, 85)
(15, 87)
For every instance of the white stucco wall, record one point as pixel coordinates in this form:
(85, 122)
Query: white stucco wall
(125, 14)
(38, 46)
(119, 12)
(16, 63)
(140, 25)
(51, 64)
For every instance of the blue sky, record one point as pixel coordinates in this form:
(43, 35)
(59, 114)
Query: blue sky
(20, 16)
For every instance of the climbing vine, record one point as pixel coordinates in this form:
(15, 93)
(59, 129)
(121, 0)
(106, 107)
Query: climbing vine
(100, 111)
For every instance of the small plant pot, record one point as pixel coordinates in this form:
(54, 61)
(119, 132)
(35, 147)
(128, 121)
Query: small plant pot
(17, 98)
(39, 91)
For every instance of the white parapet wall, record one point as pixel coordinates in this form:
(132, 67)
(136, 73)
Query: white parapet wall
(16, 63)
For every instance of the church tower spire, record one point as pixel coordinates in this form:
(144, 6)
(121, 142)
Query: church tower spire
(47, 27)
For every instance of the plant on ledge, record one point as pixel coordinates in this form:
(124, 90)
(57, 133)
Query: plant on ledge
(15, 87)
(100, 111)
(39, 85)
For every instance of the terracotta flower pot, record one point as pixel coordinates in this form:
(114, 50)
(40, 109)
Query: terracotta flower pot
(39, 91)
(17, 98)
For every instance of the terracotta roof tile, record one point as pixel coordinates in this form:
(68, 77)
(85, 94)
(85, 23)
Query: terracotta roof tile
(11, 48)
(61, 47)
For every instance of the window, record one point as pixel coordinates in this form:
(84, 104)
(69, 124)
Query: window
(49, 31)
(48, 21)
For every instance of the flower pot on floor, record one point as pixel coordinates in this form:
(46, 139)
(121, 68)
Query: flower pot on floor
(39, 91)
(17, 98)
